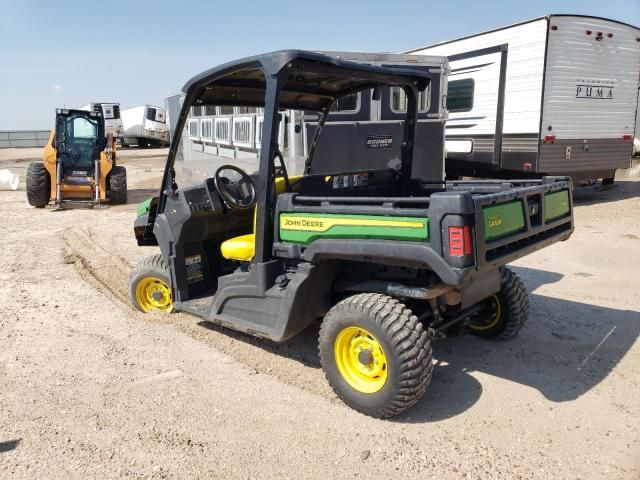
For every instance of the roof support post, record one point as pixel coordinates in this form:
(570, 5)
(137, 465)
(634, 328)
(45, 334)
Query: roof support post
(406, 155)
(265, 186)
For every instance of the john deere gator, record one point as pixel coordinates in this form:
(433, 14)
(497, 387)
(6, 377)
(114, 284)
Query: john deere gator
(386, 259)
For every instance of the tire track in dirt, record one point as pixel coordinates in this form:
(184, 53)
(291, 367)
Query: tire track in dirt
(295, 362)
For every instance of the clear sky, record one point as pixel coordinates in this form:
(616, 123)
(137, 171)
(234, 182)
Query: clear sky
(64, 52)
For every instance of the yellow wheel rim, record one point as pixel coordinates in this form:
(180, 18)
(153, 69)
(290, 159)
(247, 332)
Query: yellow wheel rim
(153, 294)
(493, 320)
(361, 360)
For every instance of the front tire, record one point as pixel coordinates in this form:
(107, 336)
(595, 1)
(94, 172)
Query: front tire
(149, 285)
(38, 185)
(505, 312)
(118, 185)
(375, 354)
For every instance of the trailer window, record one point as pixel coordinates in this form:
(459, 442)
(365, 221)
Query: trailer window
(226, 110)
(399, 100)
(346, 104)
(460, 95)
(196, 111)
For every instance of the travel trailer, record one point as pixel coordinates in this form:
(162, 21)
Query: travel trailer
(145, 126)
(111, 114)
(553, 95)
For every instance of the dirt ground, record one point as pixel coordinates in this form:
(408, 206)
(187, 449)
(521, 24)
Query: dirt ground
(90, 388)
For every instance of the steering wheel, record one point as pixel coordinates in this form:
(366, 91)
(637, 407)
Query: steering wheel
(235, 187)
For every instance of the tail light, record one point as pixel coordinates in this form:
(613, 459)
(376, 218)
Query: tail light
(549, 138)
(627, 138)
(460, 241)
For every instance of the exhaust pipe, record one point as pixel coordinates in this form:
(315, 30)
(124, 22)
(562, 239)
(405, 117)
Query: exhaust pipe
(8, 180)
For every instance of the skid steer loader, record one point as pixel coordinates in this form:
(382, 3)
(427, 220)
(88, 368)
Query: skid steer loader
(79, 167)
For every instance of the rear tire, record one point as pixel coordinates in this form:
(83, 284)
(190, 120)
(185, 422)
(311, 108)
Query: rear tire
(506, 311)
(118, 185)
(375, 354)
(149, 285)
(38, 185)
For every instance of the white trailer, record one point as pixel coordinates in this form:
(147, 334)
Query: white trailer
(553, 95)
(111, 114)
(144, 126)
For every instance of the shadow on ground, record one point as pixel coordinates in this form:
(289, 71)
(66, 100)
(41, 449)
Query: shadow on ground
(137, 195)
(10, 445)
(620, 190)
(302, 348)
(564, 350)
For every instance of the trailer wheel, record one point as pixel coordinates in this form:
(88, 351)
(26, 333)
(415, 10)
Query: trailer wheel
(38, 185)
(149, 285)
(118, 185)
(375, 354)
(505, 312)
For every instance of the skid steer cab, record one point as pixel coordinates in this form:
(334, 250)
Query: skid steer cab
(79, 167)
(387, 259)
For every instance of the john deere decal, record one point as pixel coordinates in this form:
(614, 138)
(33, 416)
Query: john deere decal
(305, 228)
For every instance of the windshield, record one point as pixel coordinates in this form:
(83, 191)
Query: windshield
(79, 139)
(217, 135)
(350, 141)
(81, 128)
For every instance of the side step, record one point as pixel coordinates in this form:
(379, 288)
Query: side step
(198, 306)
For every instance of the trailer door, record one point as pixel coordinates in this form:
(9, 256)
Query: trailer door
(475, 100)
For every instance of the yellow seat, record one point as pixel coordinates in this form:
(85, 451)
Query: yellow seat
(243, 248)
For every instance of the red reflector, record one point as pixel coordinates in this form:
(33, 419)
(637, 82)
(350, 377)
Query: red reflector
(549, 138)
(459, 241)
(456, 241)
(554, 27)
(527, 166)
(467, 241)
(627, 138)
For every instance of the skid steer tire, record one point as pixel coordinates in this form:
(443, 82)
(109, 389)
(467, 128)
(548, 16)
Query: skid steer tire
(118, 186)
(375, 354)
(149, 285)
(38, 185)
(507, 310)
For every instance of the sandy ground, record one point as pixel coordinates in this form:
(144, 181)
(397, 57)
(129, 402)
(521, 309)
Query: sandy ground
(90, 388)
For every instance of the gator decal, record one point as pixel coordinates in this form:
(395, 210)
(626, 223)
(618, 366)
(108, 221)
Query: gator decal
(304, 228)
(556, 205)
(503, 219)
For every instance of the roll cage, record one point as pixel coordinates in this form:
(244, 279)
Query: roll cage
(298, 80)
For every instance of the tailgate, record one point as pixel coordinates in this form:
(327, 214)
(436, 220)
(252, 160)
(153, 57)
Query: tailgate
(513, 223)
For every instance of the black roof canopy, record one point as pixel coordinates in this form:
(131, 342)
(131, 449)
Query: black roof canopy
(309, 80)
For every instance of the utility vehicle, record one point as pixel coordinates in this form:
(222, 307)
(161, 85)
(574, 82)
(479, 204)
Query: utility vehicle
(388, 260)
(79, 166)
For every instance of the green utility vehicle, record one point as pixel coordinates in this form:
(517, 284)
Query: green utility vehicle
(387, 260)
